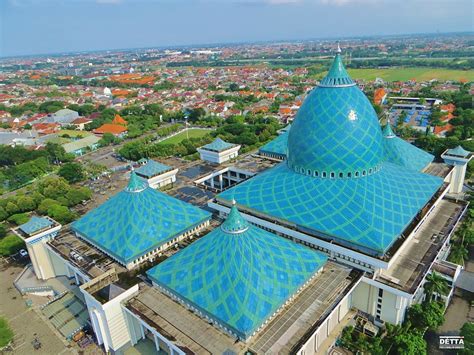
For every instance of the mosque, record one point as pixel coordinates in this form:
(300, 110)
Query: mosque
(350, 221)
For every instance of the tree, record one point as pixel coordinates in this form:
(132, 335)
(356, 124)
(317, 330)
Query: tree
(26, 203)
(435, 284)
(11, 208)
(3, 214)
(76, 196)
(45, 205)
(410, 343)
(6, 334)
(467, 331)
(107, 139)
(72, 172)
(53, 187)
(57, 154)
(19, 218)
(428, 315)
(458, 254)
(61, 214)
(3, 231)
(11, 244)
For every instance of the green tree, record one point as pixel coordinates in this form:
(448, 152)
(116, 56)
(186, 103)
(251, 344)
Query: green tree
(61, 214)
(3, 214)
(467, 331)
(435, 284)
(409, 343)
(53, 187)
(428, 315)
(11, 208)
(45, 205)
(19, 218)
(72, 172)
(458, 254)
(11, 244)
(3, 230)
(6, 333)
(76, 196)
(107, 139)
(26, 203)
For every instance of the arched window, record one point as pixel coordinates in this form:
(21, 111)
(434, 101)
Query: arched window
(356, 174)
(349, 175)
(341, 175)
(332, 175)
(316, 174)
(370, 171)
(324, 174)
(364, 172)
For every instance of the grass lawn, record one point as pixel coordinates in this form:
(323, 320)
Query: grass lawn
(192, 133)
(419, 74)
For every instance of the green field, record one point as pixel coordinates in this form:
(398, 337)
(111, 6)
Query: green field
(192, 133)
(418, 74)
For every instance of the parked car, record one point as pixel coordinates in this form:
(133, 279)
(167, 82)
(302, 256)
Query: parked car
(23, 253)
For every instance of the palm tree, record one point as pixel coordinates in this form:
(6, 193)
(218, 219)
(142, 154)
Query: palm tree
(435, 284)
(458, 254)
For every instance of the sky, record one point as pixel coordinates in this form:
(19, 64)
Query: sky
(56, 26)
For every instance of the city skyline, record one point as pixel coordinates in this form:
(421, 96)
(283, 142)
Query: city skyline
(31, 27)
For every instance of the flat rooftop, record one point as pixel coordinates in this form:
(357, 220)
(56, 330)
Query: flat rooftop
(438, 169)
(184, 188)
(281, 335)
(84, 256)
(420, 252)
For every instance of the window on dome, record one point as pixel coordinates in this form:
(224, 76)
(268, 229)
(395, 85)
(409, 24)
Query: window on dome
(349, 175)
(324, 174)
(364, 172)
(356, 174)
(309, 172)
(332, 175)
(341, 175)
(316, 174)
(370, 171)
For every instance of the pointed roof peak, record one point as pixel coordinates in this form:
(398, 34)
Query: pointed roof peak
(337, 75)
(234, 222)
(388, 132)
(135, 184)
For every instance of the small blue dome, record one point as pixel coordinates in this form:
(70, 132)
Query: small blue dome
(336, 131)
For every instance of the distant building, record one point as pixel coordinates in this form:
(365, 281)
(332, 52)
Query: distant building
(80, 146)
(219, 151)
(63, 117)
(80, 122)
(156, 174)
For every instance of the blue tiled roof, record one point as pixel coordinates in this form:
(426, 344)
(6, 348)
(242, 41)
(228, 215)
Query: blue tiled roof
(238, 275)
(35, 224)
(218, 145)
(152, 168)
(335, 130)
(276, 146)
(137, 220)
(400, 152)
(367, 213)
(337, 75)
(459, 151)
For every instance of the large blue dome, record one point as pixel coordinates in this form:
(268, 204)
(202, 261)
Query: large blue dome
(336, 133)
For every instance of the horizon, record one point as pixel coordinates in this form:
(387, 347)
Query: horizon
(58, 27)
(239, 43)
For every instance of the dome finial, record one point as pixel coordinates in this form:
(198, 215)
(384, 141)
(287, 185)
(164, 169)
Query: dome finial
(338, 50)
(234, 222)
(234, 202)
(135, 184)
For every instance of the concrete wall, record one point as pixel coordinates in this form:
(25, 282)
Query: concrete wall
(109, 320)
